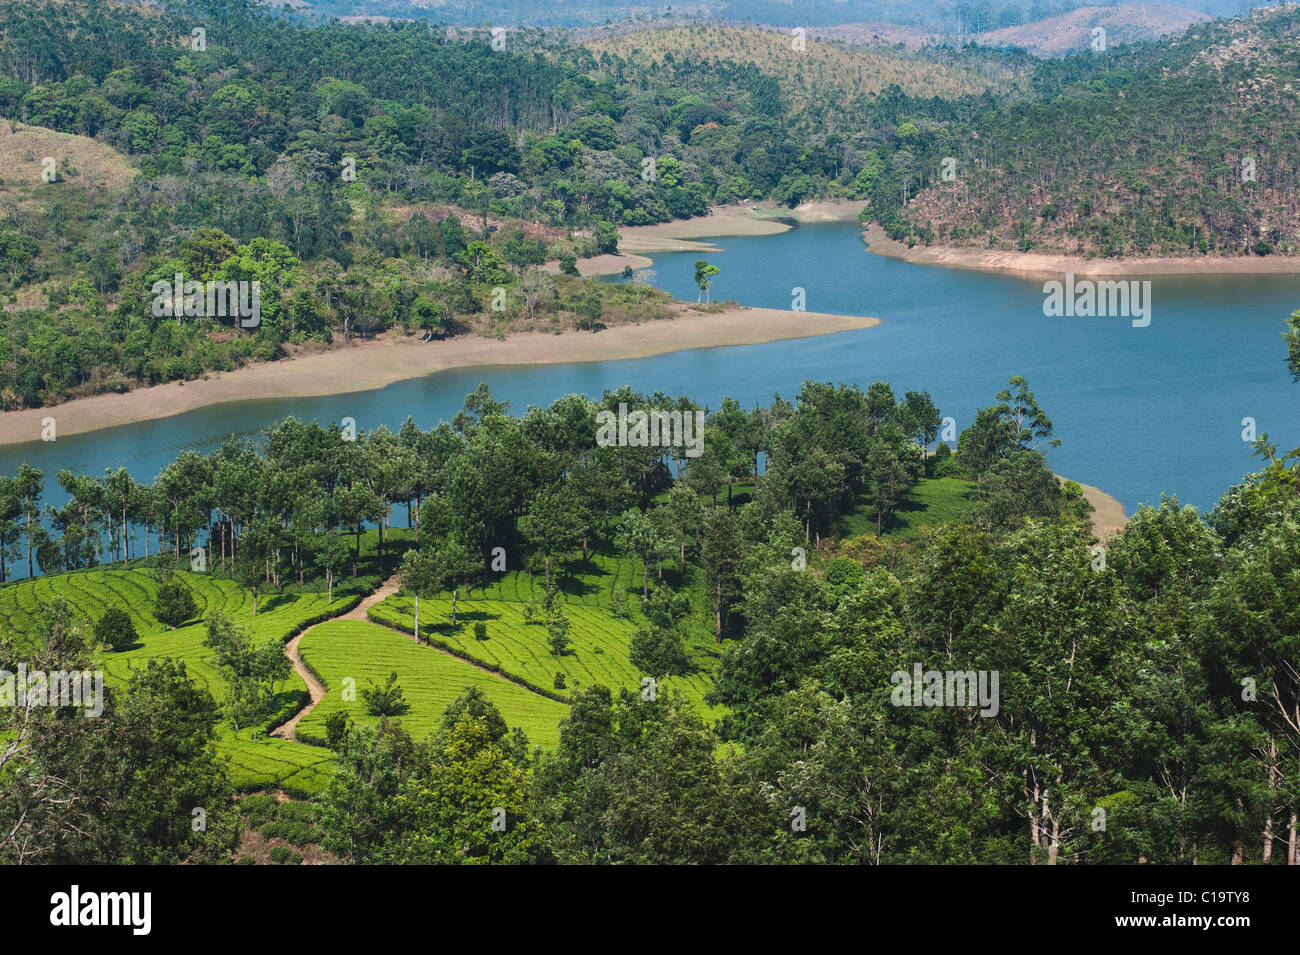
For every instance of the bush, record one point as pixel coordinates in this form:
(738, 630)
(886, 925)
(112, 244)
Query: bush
(658, 652)
(336, 727)
(480, 631)
(175, 604)
(258, 809)
(558, 629)
(569, 264)
(559, 681)
(386, 700)
(115, 630)
(280, 855)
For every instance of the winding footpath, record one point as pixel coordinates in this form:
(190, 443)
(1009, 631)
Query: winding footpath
(314, 686)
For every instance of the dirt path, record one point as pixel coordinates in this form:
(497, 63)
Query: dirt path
(314, 686)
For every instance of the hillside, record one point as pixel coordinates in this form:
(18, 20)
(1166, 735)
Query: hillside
(814, 73)
(1186, 147)
(1068, 32)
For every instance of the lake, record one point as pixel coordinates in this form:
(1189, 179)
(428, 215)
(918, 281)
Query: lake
(1140, 411)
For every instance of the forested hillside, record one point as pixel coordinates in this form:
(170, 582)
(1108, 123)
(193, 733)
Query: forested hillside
(1186, 147)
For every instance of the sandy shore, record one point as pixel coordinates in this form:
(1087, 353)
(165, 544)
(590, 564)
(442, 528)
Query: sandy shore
(1033, 263)
(363, 366)
(1107, 515)
(734, 220)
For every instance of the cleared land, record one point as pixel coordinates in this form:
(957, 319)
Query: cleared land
(811, 71)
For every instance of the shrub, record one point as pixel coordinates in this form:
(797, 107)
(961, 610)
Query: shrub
(386, 700)
(658, 652)
(115, 630)
(258, 809)
(175, 604)
(618, 604)
(281, 855)
(480, 631)
(559, 681)
(558, 629)
(336, 727)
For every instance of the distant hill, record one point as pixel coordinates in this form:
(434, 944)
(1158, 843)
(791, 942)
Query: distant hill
(1131, 23)
(928, 16)
(1188, 146)
(875, 32)
(814, 74)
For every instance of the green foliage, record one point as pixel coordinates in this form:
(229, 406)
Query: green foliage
(174, 604)
(386, 700)
(116, 630)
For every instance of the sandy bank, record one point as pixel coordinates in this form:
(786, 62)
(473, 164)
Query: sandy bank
(1033, 263)
(364, 366)
(1107, 513)
(734, 220)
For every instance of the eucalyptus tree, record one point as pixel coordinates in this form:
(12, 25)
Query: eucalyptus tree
(185, 489)
(28, 484)
(84, 512)
(236, 477)
(721, 555)
(920, 420)
(10, 528)
(119, 488)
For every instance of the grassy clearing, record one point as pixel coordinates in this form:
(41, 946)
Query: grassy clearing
(932, 501)
(79, 160)
(430, 680)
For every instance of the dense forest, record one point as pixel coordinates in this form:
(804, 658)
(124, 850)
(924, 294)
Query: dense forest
(1146, 706)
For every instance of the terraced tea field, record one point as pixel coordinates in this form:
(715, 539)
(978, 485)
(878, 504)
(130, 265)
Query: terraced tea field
(430, 680)
(256, 761)
(599, 640)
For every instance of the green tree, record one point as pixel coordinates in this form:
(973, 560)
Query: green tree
(116, 630)
(704, 276)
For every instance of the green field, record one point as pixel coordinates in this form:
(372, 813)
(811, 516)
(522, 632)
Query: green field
(255, 760)
(598, 652)
(430, 680)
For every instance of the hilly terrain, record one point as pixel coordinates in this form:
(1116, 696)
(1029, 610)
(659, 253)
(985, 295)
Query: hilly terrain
(1184, 147)
(1130, 23)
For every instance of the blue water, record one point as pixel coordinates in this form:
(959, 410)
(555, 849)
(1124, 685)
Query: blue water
(1140, 411)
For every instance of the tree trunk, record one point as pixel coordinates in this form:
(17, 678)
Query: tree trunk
(718, 613)
(1293, 849)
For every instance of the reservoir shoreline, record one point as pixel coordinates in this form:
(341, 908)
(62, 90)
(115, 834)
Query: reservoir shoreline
(1042, 264)
(370, 365)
